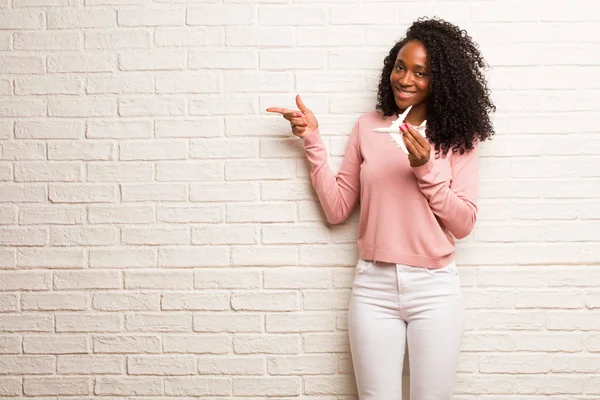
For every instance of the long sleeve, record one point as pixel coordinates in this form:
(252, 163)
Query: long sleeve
(455, 204)
(338, 194)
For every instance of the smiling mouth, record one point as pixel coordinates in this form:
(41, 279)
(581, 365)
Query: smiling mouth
(403, 94)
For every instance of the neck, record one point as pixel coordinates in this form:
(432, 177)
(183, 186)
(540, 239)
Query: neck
(417, 114)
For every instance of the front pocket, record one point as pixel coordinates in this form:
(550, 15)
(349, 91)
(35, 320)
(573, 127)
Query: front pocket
(452, 268)
(362, 266)
(448, 269)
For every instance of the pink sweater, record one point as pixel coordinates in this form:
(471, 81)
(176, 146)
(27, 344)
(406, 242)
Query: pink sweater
(407, 215)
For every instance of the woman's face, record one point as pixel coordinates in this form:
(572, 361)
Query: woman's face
(410, 77)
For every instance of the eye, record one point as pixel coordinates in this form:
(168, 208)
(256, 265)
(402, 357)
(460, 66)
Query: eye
(420, 74)
(399, 67)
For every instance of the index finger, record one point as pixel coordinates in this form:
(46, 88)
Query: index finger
(278, 110)
(416, 135)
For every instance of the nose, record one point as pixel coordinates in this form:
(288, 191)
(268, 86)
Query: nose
(405, 79)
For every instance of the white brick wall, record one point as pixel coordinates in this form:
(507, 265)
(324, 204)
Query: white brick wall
(159, 235)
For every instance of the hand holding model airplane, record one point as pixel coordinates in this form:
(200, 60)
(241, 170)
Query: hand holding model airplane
(394, 129)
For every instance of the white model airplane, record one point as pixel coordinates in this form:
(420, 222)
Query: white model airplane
(394, 129)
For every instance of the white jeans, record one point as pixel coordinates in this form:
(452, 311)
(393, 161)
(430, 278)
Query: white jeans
(392, 304)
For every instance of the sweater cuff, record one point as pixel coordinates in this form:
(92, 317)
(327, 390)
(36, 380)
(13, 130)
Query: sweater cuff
(312, 139)
(422, 171)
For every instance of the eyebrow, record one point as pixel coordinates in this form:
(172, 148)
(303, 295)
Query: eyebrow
(416, 65)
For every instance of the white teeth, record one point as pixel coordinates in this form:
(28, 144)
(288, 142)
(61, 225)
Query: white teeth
(404, 92)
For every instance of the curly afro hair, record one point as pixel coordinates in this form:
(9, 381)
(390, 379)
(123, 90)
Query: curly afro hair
(459, 102)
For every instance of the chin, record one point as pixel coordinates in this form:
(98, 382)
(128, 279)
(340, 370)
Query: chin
(403, 104)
